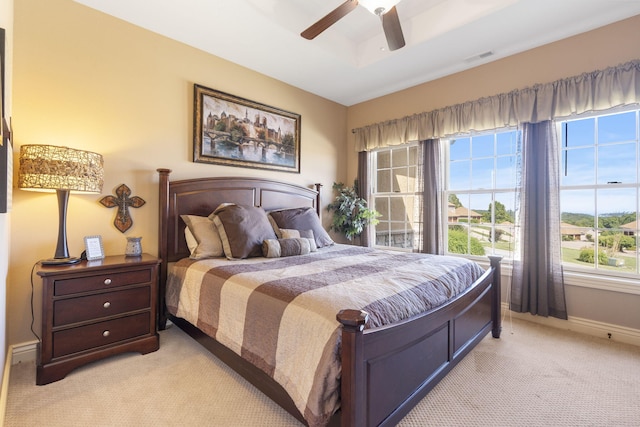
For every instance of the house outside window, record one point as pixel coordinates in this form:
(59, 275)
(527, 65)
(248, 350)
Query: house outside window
(599, 181)
(396, 196)
(480, 181)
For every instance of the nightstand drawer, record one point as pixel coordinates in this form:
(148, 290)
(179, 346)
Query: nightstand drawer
(99, 334)
(73, 310)
(96, 309)
(101, 281)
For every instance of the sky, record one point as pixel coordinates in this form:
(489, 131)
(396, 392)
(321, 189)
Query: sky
(601, 151)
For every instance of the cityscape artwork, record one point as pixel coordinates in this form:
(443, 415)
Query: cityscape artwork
(234, 131)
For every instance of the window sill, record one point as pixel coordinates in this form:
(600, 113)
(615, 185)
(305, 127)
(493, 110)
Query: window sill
(606, 283)
(625, 285)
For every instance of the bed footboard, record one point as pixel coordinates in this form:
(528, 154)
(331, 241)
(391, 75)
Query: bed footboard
(387, 370)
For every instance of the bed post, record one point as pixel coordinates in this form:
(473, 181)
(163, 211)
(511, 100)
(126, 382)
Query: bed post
(353, 394)
(163, 201)
(496, 302)
(318, 208)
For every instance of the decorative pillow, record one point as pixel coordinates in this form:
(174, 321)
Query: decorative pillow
(205, 233)
(242, 230)
(301, 219)
(192, 243)
(275, 248)
(296, 234)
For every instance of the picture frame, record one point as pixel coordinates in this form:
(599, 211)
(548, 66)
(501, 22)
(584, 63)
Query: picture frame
(234, 131)
(6, 161)
(3, 127)
(6, 145)
(93, 247)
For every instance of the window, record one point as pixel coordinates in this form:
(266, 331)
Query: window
(396, 196)
(480, 180)
(599, 192)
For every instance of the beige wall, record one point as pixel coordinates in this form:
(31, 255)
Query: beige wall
(601, 48)
(86, 80)
(6, 22)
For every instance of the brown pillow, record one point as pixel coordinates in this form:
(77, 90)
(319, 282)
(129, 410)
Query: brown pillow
(301, 219)
(287, 233)
(276, 248)
(242, 230)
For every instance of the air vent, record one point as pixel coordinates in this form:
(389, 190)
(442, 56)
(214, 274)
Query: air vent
(479, 56)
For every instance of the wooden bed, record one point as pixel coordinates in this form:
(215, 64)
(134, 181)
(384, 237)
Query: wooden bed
(387, 370)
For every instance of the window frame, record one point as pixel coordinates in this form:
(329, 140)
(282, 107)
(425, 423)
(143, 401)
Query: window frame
(574, 275)
(493, 191)
(373, 194)
(604, 278)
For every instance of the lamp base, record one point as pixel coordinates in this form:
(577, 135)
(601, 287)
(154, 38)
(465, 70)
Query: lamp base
(60, 261)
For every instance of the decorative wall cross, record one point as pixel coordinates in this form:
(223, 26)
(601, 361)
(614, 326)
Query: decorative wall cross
(122, 201)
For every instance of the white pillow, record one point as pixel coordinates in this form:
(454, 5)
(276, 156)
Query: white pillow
(204, 232)
(192, 243)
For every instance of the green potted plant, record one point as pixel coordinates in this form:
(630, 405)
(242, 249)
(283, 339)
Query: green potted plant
(350, 212)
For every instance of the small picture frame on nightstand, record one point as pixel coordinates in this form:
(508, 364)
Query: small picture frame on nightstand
(93, 247)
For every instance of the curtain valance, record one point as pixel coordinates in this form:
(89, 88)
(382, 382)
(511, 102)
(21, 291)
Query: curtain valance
(598, 90)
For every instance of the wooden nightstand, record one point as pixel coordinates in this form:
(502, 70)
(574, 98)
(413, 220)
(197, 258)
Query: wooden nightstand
(96, 309)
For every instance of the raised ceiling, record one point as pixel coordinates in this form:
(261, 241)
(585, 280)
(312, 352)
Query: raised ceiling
(349, 62)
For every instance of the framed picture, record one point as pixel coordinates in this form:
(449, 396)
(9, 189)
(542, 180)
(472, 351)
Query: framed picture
(93, 247)
(234, 131)
(6, 148)
(6, 166)
(2, 120)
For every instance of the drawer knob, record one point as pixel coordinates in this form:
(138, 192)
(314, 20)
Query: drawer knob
(106, 304)
(107, 281)
(106, 333)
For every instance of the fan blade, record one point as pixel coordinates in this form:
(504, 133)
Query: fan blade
(334, 16)
(392, 29)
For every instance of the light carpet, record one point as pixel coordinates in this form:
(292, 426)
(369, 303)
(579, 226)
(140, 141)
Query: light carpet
(533, 376)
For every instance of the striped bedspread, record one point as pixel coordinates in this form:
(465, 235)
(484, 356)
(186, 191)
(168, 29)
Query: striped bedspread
(280, 313)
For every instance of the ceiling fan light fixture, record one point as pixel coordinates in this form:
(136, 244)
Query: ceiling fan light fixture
(385, 9)
(378, 7)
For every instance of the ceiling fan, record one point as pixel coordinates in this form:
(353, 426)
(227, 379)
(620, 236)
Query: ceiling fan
(385, 9)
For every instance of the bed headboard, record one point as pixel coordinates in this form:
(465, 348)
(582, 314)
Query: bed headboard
(202, 196)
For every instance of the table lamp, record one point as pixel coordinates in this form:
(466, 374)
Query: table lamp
(65, 170)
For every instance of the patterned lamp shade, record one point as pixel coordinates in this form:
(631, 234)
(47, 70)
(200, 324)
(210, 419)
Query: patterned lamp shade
(49, 167)
(63, 170)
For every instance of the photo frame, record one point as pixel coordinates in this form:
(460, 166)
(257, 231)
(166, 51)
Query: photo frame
(234, 131)
(93, 247)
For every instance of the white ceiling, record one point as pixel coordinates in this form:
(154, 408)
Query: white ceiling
(349, 62)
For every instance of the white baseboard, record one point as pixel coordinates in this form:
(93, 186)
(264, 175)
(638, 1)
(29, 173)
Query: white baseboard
(19, 353)
(25, 352)
(616, 333)
(5, 385)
